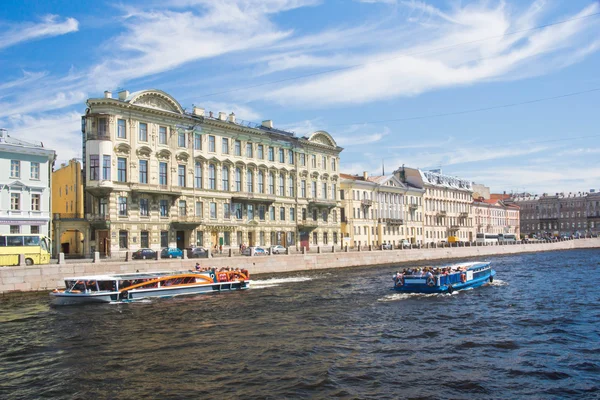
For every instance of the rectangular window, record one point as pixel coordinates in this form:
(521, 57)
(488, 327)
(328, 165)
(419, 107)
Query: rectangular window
(303, 188)
(250, 211)
(123, 239)
(281, 156)
(314, 161)
(121, 133)
(15, 168)
(291, 186)
(313, 190)
(211, 144)
(225, 179)
(324, 215)
(162, 173)
(334, 191)
(145, 239)
(261, 182)
(94, 167)
(238, 180)
(181, 175)
(198, 209)
(163, 208)
(199, 238)
(143, 171)
(226, 211)
(249, 185)
(271, 154)
(197, 141)
(261, 212)
(290, 156)
(249, 150)
(213, 210)
(227, 238)
(237, 210)
(164, 238)
(260, 151)
(198, 175)
(323, 162)
(333, 164)
(35, 229)
(35, 202)
(324, 190)
(35, 170)
(282, 213)
(324, 237)
(182, 208)
(225, 146)
(281, 185)
(292, 214)
(162, 135)
(212, 177)
(121, 169)
(144, 209)
(272, 213)
(15, 201)
(15, 229)
(181, 139)
(143, 134)
(106, 168)
(102, 131)
(122, 206)
(302, 159)
(237, 148)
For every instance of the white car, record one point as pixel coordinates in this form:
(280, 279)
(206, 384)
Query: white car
(278, 249)
(405, 244)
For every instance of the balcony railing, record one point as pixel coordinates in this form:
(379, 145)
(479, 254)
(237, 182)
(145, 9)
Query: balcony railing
(413, 206)
(391, 221)
(186, 219)
(441, 213)
(454, 227)
(366, 202)
(463, 214)
(253, 198)
(155, 189)
(98, 136)
(322, 202)
(307, 224)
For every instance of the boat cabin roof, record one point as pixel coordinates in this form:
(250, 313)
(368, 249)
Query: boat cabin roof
(132, 276)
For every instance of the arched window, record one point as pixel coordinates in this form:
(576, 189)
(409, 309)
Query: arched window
(291, 186)
(238, 179)
(261, 182)
(271, 183)
(225, 178)
(281, 185)
(212, 178)
(249, 186)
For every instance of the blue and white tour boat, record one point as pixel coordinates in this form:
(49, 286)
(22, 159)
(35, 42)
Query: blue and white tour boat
(142, 285)
(445, 279)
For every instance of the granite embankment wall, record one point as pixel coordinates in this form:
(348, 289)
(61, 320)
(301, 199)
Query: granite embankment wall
(48, 277)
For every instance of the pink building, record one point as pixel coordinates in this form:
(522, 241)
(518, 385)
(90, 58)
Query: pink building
(494, 216)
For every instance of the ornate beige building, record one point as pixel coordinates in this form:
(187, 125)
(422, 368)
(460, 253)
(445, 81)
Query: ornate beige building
(380, 210)
(447, 204)
(156, 176)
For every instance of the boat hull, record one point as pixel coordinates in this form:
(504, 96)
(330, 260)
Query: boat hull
(67, 298)
(477, 276)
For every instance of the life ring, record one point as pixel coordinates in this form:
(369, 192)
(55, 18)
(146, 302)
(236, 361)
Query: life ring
(431, 281)
(222, 277)
(400, 281)
(463, 277)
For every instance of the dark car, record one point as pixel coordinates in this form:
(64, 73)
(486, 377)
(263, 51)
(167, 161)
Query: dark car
(144, 254)
(197, 252)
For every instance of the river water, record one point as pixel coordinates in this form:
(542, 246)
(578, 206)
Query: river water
(535, 332)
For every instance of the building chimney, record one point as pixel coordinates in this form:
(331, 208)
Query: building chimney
(3, 135)
(107, 94)
(222, 116)
(123, 94)
(231, 117)
(365, 175)
(199, 111)
(268, 123)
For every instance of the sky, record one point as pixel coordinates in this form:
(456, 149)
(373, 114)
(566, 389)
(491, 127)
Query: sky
(503, 93)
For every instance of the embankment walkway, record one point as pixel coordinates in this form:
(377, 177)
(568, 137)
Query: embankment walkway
(48, 277)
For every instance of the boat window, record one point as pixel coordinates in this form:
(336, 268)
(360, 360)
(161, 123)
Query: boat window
(14, 240)
(2, 241)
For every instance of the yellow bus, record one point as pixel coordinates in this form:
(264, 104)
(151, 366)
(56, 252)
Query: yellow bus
(36, 249)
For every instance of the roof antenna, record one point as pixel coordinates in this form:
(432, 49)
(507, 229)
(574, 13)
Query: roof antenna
(382, 167)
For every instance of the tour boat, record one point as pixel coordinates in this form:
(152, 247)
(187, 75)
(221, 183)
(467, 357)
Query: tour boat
(137, 286)
(445, 279)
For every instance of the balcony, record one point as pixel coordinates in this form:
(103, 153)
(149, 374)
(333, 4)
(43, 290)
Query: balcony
(454, 227)
(366, 202)
(463, 215)
(155, 189)
(391, 221)
(253, 198)
(307, 224)
(441, 213)
(548, 218)
(322, 202)
(99, 188)
(98, 221)
(185, 221)
(413, 206)
(98, 136)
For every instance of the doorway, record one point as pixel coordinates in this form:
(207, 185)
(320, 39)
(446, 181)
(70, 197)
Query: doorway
(103, 242)
(214, 239)
(180, 240)
(304, 240)
(250, 239)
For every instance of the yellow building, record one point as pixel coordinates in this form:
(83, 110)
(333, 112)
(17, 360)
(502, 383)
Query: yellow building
(67, 209)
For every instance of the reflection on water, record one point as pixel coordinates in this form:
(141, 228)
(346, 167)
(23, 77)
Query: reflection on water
(328, 334)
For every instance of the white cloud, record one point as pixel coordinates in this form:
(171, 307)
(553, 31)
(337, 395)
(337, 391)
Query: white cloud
(413, 70)
(362, 139)
(61, 133)
(51, 25)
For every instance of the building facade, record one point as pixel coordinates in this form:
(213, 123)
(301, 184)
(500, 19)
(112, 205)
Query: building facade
(495, 217)
(70, 228)
(157, 176)
(558, 214)
(447, 204)
(25, 178)
(379, 210)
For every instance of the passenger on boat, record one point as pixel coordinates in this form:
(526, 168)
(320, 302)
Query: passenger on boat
(197, 267)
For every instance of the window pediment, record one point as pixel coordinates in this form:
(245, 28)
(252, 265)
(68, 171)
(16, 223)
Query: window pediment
(163, 154)
(143, 152)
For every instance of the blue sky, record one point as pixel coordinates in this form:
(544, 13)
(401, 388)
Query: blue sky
(391, 60)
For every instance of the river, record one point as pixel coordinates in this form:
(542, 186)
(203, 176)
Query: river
(534, 332)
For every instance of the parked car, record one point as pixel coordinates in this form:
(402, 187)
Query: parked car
(278, 249)
(387, 246)
(171, 252)
(405, 244)
(258, 251)
(196, 252)
(144, 254)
